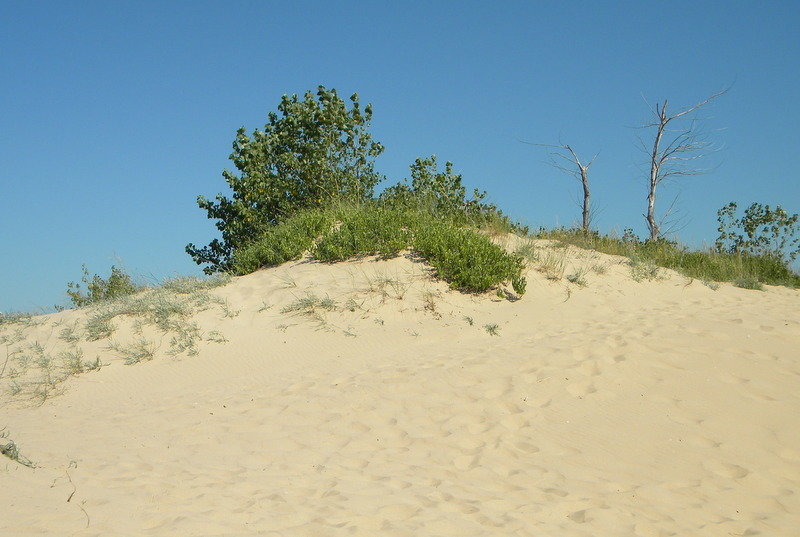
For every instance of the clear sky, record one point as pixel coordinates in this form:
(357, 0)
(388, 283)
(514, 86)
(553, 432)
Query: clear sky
(114, 116)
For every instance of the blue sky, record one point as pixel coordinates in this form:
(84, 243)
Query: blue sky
(116, 115)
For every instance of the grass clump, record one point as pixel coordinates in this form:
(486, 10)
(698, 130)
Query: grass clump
(16, 318)
(310, 304)
(748, 282)
(578, 278)
(492, 329)
(135, 352)
(185, 285)
(312, 307)
(704, 265)
(9, 448)
(644, 269)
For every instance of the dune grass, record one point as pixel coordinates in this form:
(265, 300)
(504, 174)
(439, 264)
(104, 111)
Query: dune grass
(10, 449)
(705, 265)
(35, 365)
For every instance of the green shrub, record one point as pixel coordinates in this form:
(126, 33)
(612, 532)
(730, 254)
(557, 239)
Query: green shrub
(748, 282)
(367, 230)
(284, 242)
(442, 194)
(117, 285)
(466, 259)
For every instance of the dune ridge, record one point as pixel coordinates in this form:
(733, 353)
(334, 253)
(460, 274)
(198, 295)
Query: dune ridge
(366, 398)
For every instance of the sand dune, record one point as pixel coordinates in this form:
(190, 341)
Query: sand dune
(622, 407)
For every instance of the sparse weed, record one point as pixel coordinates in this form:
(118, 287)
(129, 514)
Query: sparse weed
(10, 449)
(227, 311)
(553, 264)
(309, 304)
(578, 277)
(599, 268)
(135, 352)
(429, 302)
(469, 320)
(98, 327)
(528, 251)
(70, 333)
(387, 287)
(312, 307)
(216, 337)
(711, 285)
(286, 280)
(644, 269)
(184, 285)
(749, 282)
(74, 364)
(25, 319)
(492, 329)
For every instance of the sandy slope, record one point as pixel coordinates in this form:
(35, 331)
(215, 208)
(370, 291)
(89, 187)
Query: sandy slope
(622, 408)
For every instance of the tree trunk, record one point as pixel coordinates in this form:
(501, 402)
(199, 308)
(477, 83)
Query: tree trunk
(655, 166)
(652, 224)
(585, 182)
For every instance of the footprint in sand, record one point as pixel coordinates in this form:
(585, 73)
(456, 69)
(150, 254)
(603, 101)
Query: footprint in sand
(581, 389)
(724, 469)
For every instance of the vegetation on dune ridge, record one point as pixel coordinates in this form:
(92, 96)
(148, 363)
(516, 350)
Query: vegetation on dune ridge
(460, 255)
(306, 184)
(707, 265)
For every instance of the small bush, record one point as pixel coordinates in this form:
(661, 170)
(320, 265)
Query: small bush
(284, 242)
(97, 289)
(749, 282)
(466, 259)
(365, 231)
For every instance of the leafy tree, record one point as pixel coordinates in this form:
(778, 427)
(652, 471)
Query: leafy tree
(761, 231)
(313, 150)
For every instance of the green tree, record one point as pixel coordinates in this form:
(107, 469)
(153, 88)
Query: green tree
(761, 231)
(312, 151)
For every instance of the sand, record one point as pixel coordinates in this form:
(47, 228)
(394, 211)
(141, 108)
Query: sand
(622, 407)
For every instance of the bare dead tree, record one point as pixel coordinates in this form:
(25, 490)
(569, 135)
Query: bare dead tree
(558, 159)
(673, 152)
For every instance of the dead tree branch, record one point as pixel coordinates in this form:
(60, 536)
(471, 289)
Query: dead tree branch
(673, 151)
(566, 160)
